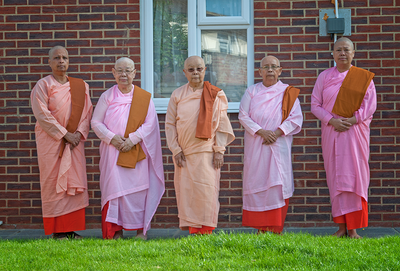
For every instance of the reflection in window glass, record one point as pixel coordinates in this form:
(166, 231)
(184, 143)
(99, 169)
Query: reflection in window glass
(225, 56)
(223, 8)
(170, 45)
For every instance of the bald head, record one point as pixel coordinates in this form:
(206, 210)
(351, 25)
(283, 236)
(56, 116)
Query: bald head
(125, 60)
(270, 70)
(55, 48)
(193, 59)
(269, 59)
(344, 40)
(58, 61)
(195, 70)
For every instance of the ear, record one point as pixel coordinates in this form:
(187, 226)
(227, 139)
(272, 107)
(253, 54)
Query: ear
(259, 71)
(114, 72)
(279, 71)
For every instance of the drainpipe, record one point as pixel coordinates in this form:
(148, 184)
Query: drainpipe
(336, 16)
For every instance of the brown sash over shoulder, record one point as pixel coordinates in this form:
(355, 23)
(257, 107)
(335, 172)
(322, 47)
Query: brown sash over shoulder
(204, 122)
(352, 92)
(77, 89)
(290, 96)
(137, 116)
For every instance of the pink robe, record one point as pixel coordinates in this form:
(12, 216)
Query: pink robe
(267, 172)
(345, 154)
(63, 181)
(134, 194)
(197, 182)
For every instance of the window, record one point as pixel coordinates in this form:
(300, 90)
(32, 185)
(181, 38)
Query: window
(219, 31)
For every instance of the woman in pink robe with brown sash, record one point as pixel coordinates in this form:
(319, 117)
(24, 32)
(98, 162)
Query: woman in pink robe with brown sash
(63, 179)
(345, 138)
(130, 192)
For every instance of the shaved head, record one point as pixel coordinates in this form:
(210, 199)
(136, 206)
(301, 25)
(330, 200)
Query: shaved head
(51, 51)
(193, 59)
(267, 58)
(126, 60)
(344, 39)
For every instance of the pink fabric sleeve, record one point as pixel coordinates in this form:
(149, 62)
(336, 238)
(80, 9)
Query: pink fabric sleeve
(170, 127)
(39, 100)
(224, 134)
(244, 118)
(147, 127)
(368, 105)
(98, 125)
(84, 125)
(317, 101)
(292, 125)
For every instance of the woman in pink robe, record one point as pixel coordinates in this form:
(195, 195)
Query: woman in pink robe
(267, 174)
(132, 195)
(345, 142)
(197, 176)
(63, 181)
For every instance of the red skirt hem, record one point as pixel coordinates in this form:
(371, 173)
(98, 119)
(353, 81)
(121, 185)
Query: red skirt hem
(109, 229)
(202, 230)
(74, 221)
(272, 220)
(355, 220)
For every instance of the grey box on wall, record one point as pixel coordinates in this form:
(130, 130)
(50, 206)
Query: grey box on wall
(335, 24)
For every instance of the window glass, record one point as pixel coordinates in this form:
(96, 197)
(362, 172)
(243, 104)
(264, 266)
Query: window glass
(225, 56)
(223, 8)
(170, 41)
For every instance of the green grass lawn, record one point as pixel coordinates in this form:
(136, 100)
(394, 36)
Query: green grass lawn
(216, 252)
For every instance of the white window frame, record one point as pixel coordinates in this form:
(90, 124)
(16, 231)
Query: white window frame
(194, 42)
(223, 20)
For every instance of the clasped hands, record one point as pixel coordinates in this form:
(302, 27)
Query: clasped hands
(269, 136)
(342, 124)
(218, 160)
(122, 144)
(73, 138)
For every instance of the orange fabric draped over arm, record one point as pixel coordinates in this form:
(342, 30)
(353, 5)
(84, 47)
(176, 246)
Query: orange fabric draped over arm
(203, 129)
(290, 96)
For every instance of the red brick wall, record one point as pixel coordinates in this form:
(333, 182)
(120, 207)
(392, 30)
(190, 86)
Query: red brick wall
(96, 32)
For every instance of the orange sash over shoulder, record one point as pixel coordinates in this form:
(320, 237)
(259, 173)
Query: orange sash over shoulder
(137, 116)
(77, 89)
(204, 122)
(352, 92)
(290, 96)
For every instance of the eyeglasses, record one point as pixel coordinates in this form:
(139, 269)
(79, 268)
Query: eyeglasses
(191, 70)
(127, 72)
(272, 67)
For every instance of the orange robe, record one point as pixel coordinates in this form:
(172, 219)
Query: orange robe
(63, 180)
(197, 182)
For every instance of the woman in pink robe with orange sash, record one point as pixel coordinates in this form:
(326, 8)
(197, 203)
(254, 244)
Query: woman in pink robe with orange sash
(267, 174)
(197, 159)
(63, 180)
(129, 196)
(345, 142)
